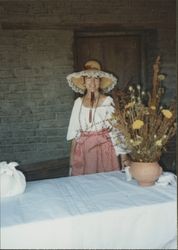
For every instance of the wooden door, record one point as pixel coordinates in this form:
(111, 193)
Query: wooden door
(118, 54)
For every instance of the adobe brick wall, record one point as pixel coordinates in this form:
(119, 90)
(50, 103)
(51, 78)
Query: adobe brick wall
(35, 100)
(36, 54)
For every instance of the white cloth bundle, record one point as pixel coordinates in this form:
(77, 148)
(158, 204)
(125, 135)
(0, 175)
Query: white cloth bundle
(12, 180)
(167, 178)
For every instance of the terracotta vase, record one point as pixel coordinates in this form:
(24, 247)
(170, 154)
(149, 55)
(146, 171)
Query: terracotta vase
(145, 173)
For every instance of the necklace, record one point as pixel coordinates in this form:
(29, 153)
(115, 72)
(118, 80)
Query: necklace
(90, 112)
(92, 104)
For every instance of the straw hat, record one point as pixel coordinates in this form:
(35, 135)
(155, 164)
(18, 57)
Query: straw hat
(91, 69)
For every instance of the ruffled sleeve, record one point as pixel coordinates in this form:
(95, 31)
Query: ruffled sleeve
(115, 134)
(74, 126)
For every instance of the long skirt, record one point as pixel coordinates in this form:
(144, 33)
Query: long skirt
(94, 153)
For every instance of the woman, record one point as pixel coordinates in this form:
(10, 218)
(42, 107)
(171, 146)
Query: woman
(93, 146)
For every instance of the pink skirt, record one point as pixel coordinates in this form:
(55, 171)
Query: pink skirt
(94, 153)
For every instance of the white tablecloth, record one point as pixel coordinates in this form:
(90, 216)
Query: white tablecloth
(100, 211)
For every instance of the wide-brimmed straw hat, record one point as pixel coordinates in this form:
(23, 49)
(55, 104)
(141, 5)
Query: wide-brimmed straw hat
(92, 68)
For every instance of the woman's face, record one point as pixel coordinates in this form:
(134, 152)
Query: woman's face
(92, 83)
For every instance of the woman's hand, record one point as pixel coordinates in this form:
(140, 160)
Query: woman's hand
(125, 161)
(72, 151)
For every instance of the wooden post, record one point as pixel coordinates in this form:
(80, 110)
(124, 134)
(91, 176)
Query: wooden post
(155, 81)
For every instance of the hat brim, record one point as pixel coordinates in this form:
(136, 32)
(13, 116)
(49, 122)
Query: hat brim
(76, 80)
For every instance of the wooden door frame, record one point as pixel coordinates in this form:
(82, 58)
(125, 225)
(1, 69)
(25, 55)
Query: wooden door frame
(145, 46)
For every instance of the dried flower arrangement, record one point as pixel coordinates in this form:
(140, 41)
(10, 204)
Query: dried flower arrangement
(145, 124)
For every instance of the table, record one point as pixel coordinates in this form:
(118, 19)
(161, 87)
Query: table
(100, 211)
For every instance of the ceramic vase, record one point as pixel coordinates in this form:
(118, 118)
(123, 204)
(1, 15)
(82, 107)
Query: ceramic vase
(145, 173)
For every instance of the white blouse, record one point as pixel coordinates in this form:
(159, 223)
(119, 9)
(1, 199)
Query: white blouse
(79, 121)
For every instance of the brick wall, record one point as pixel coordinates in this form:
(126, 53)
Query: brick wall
(36, 54)
(35, 100)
